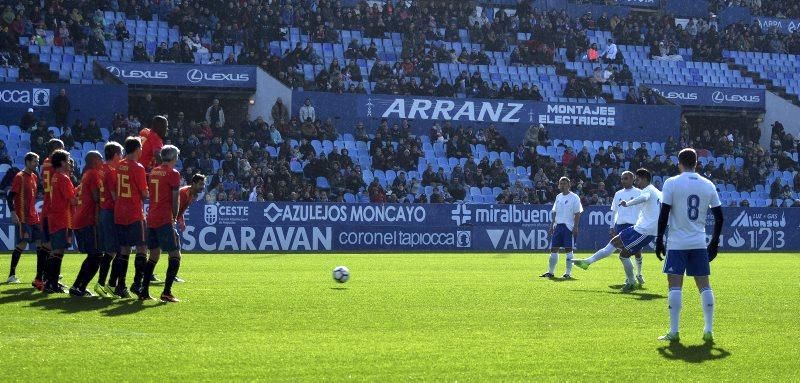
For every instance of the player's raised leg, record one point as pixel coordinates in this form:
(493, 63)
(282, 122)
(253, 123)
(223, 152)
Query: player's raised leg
(610, 248)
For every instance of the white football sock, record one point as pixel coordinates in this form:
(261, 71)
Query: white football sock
(553, 262)
(602, 253)
(707, 300)
(638, 265)
(628, 266)
(675, 300)
(569, 263)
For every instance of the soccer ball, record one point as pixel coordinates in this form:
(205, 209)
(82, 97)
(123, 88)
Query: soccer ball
(341, 274)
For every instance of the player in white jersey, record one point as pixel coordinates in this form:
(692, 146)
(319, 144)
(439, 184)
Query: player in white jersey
(687, 199)
(566, 215)
(631, 240)
(625, 217)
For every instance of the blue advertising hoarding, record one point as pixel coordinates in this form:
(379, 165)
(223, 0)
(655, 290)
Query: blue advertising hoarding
(512, 117)
(87, 101)
(438, 227)
(640, 3)
(712, 96)
(216, 76)
(286, 227)
(784, 26)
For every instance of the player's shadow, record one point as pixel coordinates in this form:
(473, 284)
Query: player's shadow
(693, 354)
(20, 295)
(635, 294)
(573, 279)
(66, 304)
(125, 307)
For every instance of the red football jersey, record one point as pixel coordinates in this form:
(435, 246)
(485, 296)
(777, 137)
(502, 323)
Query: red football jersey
(184, 200)
(87, 208)
(24, 187)
(61, 193)
(151, 144)
(108, 184)
(163, 181)
(47, 174)
(131, 185)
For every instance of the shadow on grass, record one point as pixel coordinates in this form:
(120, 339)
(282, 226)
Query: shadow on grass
(67, 304)
(128, 306)
(339, 288)
(573, 279)
(636, 294)
(20, 295)
(693, 354)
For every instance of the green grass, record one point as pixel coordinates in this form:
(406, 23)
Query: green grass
(402, 317)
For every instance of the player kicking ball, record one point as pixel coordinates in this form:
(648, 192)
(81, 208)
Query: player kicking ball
(687, 199)
(631, 240)
(625, 217)
(567, 210)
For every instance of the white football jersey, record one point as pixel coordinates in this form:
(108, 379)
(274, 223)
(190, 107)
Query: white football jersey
(690, 196)
(565, 207)
(650, 201)
(623, 215)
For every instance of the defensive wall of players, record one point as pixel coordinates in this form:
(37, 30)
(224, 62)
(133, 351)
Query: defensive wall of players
(251, 226)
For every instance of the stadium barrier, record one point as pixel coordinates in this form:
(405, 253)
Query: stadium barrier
(714, 97)
(611, 122)
(272, 227)
(87, 101)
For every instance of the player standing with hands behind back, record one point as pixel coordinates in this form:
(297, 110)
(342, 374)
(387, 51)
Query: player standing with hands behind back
(687, 198)
(129, 217)
(165, 182)
(567, 211)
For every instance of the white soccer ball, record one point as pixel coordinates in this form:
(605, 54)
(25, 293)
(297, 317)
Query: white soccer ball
(341, 274)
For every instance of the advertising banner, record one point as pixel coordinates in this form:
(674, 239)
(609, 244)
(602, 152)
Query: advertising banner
(216, 76)
(286, 227)
(511, 117)
(711, 96)
(640, 3)
(783, 26)
(87, 101)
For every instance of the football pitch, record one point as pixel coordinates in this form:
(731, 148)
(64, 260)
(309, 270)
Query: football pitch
(403, 317)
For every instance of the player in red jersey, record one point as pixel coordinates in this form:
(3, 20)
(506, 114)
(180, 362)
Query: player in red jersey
(152, 141)
(187, 195)
(21, 201)
(165, 182)
(85, 223)
(106, 229)
(59, 216)
(43, 253)
(129, 217)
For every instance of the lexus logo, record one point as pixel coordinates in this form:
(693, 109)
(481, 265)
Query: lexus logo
(114, 71)
(194, 75)
(718, 97)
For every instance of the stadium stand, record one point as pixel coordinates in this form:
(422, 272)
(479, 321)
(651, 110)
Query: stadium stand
(429, 48)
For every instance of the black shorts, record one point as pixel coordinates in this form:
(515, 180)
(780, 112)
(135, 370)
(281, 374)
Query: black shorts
(131, 235)
(163, 237)
(87, 239)
(45, 230)
(28, 233)
(61, 240)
